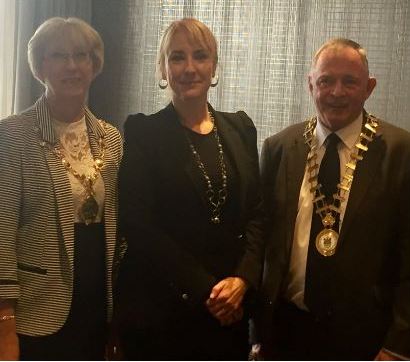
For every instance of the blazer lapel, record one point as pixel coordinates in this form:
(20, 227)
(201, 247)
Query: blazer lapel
(233, 146)
(363, 177)
(174, 146)
(295, 170)
(96, 134)
(61, 184)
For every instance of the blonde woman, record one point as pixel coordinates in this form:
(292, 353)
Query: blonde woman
(190, 212)
(58, 175)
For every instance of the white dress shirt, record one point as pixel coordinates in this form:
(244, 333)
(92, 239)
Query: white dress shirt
(349, 136)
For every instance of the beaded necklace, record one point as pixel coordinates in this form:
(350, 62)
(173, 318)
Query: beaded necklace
(216, 198)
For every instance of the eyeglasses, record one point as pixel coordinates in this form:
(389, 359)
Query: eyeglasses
(78, 58)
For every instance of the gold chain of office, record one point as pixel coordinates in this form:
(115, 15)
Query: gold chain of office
(89, 208)
(327, 239)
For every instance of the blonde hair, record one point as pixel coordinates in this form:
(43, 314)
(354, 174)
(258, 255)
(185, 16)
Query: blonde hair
(339, 43)
(197, 32)
(58, 28)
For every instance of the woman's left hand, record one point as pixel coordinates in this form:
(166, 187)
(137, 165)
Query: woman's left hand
(225, 300)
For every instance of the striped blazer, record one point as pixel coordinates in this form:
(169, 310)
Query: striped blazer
(37, 217)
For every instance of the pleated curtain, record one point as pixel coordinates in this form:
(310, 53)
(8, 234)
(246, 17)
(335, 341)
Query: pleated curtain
(265, 50)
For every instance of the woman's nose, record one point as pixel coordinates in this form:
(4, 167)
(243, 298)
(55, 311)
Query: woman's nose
(190, 65)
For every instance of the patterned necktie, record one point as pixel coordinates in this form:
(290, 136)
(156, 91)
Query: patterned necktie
(318, 280)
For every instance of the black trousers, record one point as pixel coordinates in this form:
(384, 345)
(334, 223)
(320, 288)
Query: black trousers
(189, 339)
(299, 335)
(83, 336)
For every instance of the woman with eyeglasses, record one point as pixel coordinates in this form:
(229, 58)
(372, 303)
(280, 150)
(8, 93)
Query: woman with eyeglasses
(190, 212)
(58, 176)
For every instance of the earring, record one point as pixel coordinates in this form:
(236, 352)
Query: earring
(163, 83)
(215, 81)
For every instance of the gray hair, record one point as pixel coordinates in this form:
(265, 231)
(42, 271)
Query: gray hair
(339, 43)
(58, 29)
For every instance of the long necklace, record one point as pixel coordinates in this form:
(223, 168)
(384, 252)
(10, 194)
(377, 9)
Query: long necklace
(327, 239)
(89, 208)
(215, 199)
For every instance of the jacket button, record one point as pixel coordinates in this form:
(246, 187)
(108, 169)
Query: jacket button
(185, 296)
(240, 236)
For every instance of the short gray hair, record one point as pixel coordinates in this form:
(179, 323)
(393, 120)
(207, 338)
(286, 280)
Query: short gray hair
(56, 28)
(338, 43)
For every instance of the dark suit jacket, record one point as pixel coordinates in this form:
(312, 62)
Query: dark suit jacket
(372, 281)
(170, 266)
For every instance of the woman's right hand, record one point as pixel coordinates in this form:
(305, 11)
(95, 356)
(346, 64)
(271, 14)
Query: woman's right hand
(225, 300)
(9, 342)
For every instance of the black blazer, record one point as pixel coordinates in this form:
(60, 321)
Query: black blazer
(170, 267)
(372, 263)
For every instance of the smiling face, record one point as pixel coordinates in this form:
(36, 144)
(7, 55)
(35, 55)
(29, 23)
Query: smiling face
(189, 68)
(67, 69)
(339, 83)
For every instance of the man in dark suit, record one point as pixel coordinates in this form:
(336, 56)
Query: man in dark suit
(336, 282)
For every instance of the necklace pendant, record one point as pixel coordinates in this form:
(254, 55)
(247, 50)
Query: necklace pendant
(216, 220)
(329, 220)
(89, 209)
(326, 242)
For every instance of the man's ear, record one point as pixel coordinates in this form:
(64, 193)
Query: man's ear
(310, 83)
(371, 84)
(214, 70)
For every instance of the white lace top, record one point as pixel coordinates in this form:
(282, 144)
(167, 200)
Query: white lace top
(75, 147)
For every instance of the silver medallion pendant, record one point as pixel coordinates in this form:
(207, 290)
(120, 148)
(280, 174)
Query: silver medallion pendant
(89, 210)
(326, 242)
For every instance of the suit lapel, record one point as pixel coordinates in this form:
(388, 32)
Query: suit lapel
(295, 170)
(364, 174)
(61, 184)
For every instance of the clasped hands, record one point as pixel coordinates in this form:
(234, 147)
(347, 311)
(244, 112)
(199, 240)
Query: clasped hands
(225, 300)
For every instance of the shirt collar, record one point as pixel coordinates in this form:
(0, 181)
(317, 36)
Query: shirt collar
(348, 134)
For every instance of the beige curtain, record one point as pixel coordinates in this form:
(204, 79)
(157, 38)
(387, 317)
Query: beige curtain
(265, 51)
